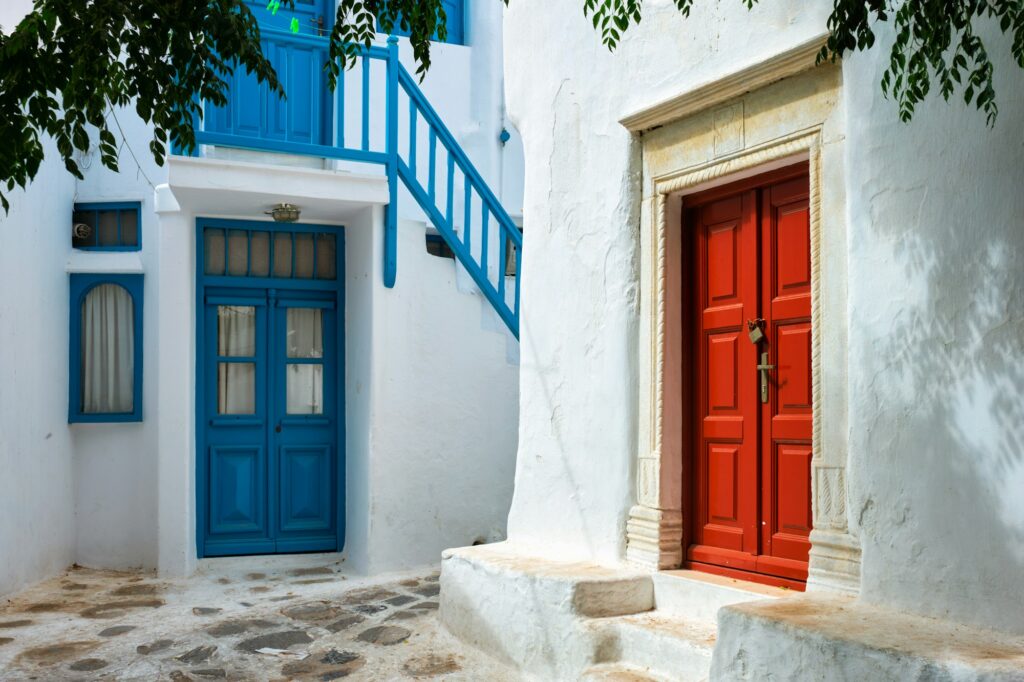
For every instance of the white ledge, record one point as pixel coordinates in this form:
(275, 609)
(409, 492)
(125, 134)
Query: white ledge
(783, 65)
(105, 262)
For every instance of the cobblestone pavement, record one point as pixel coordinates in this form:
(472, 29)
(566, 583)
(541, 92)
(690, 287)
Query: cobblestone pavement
(235, 622)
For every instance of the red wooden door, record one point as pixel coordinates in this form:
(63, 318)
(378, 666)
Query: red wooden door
(751, 467)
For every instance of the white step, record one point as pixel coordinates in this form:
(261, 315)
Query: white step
(698, 596)
(665, 647)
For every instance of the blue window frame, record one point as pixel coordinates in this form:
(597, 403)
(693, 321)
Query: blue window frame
(105, 358)
(455, 13)
(111, 226)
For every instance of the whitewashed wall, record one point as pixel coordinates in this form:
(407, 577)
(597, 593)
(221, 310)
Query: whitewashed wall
(432, 407)
(37, 516)
(104, 495)
(935, 309)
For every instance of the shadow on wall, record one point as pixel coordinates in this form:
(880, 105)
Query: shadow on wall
(941, 369)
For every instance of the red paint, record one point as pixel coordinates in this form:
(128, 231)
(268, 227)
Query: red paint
(751, 502)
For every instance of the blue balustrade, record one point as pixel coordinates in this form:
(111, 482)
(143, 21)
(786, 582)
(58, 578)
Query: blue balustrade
(315, 124)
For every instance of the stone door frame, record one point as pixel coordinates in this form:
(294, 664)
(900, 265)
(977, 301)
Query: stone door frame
(719, 140)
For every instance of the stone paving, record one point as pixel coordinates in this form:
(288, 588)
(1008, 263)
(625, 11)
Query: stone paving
(236, 622)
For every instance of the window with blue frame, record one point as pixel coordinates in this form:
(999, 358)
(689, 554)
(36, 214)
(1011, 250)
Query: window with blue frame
(455, 21)
(107, 226)
(105, 363)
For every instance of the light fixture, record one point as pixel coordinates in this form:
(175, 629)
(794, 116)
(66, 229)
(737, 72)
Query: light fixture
(285, 213)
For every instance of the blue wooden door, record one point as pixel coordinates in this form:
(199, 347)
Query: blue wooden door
(305, 117)
(271, 401)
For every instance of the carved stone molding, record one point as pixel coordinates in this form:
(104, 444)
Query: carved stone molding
(792, 61)
(654, 538)
(718, 143)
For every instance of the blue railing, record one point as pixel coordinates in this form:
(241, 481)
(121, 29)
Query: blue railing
(455, 197)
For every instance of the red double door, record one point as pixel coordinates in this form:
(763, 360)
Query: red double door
(750, 399)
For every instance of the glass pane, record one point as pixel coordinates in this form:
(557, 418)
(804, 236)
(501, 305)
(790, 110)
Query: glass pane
(305, 334)
(259, 250)
(236, 388)
(238, 253)
(129, 228)
(214, 251)
(84, 218)
(236, 331)
(282, 254)
(305, 389)
(106, 231)
(108, 350)
(326, 263)
(304, 255)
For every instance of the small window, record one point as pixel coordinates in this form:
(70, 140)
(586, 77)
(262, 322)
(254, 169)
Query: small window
(511, 256)
(107, 227)
(437, 246)
(105, 348)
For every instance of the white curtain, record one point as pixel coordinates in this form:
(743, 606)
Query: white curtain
(108, 350)
(304, 383)
(236, 381)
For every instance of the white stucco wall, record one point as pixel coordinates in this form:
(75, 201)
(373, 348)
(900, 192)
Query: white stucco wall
(934, 306)
(37, 489)
(433, 398)
(936, 340)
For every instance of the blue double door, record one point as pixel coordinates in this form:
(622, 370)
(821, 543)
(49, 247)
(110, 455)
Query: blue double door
(269, 462)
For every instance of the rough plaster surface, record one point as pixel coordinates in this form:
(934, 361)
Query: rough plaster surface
(934, 300)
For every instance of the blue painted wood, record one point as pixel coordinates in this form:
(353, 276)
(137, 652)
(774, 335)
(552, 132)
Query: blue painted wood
(398, 80)
(391, 216)
(306, 116)
(95, 207)
(269, 482)
(80, 284)
(455, 23)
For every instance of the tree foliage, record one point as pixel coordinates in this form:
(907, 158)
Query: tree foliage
(935, 42)
(69, 64)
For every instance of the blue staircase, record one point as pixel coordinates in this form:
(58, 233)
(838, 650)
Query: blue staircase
(448, 187)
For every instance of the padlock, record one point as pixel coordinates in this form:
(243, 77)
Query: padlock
(755, 333)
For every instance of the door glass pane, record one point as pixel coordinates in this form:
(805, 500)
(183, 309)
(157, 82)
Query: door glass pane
(238, 253)
(236, 388)
(325, 257)
(214, 251)
(305, 334)
(236, 331)
(108, 350)
(282, 254)
(107, 229)
(259, 250)
(304, 255)
(305, 388)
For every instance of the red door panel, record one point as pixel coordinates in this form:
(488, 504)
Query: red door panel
(752, 494)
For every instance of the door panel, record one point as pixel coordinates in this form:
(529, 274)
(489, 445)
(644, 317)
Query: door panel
(751, 468)
(271, 421)
(727, 499)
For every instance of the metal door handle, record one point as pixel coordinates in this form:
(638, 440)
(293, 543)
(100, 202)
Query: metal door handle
(277, 429)
(763, 368)
(319, 23)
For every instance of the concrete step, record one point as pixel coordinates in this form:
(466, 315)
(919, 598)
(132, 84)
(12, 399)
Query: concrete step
(665, 646)
(618, 672)
(698, 596)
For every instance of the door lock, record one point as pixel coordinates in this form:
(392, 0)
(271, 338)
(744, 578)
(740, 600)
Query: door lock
(755, 331)
(319, 23)
(763, 368)
(277, 429)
